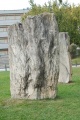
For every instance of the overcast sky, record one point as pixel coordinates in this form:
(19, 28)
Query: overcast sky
(22, 4)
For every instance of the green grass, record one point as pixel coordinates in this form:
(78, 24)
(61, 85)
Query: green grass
(76, 60)
(4, 86)
(65, 107)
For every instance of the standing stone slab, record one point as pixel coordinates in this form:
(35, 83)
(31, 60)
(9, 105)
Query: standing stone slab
(65, 59)
(34, 57)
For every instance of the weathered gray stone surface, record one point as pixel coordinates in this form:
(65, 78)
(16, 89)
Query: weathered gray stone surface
(65, 59)
(34, 57)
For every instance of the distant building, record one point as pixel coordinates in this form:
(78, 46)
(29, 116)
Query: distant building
(7, 18)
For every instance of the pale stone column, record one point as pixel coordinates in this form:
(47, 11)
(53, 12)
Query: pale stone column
(65, 71)
(34, 57)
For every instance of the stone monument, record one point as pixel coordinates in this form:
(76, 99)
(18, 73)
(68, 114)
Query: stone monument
(34, 57)
(65, 71)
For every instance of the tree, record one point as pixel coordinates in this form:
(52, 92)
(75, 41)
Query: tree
(68, 17)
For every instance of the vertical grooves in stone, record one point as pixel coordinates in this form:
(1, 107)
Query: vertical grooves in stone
(34, 58)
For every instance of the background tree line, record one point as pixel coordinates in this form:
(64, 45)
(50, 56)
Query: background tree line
(68, 17)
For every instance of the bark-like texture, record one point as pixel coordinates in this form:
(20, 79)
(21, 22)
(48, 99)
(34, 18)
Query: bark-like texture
(65, 58)
(34, 57)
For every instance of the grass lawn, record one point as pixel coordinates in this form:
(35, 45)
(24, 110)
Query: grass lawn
(76, 60)
(65, 107)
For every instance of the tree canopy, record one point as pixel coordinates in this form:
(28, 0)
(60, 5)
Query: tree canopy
(68, 17)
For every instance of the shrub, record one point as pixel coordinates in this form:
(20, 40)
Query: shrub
(73, 51)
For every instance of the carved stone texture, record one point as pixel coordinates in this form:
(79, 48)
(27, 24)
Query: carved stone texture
(65, 58)
(34, 57)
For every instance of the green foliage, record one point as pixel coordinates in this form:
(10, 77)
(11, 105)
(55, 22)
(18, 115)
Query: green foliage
(68, 17)
(31, 2)
(69, 22)
(65, 107)
(73, 50)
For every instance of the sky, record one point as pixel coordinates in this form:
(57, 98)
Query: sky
(23, 4)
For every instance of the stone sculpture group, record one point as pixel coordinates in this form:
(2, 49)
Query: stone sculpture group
(37, 57)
